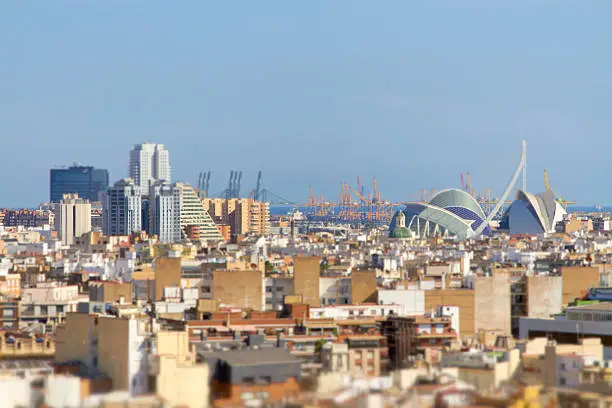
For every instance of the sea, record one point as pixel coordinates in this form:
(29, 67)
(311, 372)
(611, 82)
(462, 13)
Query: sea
(285, 209)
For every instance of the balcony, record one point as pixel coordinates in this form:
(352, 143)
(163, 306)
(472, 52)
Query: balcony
(426, 335)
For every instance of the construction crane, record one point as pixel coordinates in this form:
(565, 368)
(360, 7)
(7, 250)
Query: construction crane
(359, 195)
(470, 190)
(564, 203)
(376, 192)
(462, 183)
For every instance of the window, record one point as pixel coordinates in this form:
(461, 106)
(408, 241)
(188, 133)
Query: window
(266, 379)
(562, 366)
(248, 380)
(562, 381)
(8, 312)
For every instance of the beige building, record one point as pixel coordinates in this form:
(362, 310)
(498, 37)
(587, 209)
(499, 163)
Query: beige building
(72, 218)
(363, 287)
(179, 381)
(243, 215)
(243, 289)
(552, 364)
(577, 280)
(168, 272)
(136, 356)
(306, 279)
(116, 347)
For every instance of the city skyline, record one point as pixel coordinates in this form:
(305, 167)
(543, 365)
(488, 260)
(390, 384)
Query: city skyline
(309, 100)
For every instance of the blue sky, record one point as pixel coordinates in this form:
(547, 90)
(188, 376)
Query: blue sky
(313, 92)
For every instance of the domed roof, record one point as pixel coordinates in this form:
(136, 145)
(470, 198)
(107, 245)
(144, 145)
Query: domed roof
(457, 198)
(401, 232)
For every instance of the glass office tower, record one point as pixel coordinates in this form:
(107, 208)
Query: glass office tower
(85, 181)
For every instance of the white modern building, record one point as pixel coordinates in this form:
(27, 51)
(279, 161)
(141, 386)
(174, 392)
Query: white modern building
(123, 208)
(73, 218)
(165, 212)
(193, 214)
(149, 162)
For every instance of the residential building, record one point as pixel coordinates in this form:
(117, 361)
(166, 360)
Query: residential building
(149, 162)
(73, 218)
(27, 218)
(409, 336)
(267, 375)
(116, 347)
(194, 216)
(241, 289)
(15, 344)
(485, 370)
(243, 215)
(276, 289)
(306, 277)
(165, 212)
(85, 181)
(363, 287)
(577, 322)
(9, 313)
(123, 208)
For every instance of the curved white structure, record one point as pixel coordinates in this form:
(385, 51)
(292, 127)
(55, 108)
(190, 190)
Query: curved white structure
(504, 197)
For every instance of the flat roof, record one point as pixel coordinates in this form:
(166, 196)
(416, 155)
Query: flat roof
(601, 307)
(248, 357)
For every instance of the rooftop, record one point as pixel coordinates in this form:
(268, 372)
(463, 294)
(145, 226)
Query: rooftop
(600, 307)
(254, 357)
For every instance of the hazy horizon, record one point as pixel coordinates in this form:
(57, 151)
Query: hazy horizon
(314, 93)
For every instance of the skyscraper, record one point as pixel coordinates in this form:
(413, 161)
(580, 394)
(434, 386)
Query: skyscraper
(123, 208)
(165, 212)
(175, 212)
(149, 162)
(85, 181)
(73, 218)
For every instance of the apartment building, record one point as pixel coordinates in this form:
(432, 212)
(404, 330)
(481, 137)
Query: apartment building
(267, 375)
(73, 218)
(27, 218)
(243, 215)
(9, 313)
(409, 336)
(116, 347)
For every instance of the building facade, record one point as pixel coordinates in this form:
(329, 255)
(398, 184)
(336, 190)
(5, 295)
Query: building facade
(243, 215)
(123, 208)
(27, 218)
(165, 212)
(149, 162)
(86, 181)
(196, 223)
(73, 218)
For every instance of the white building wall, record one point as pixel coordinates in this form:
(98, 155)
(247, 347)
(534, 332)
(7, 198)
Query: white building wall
(63, 391)
(15, 392)
(138, 366)
(411, 300)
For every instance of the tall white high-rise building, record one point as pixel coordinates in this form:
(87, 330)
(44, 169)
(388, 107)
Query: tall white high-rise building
(176, 213)
(165, 212)
(72, 218)
(149, 162)
(123, 208)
